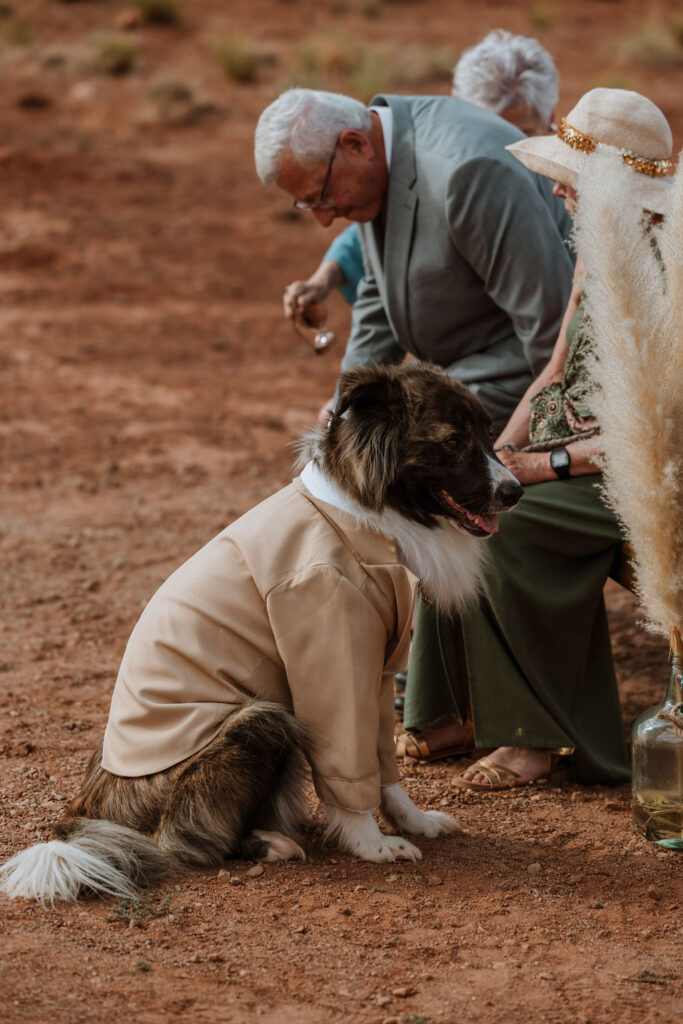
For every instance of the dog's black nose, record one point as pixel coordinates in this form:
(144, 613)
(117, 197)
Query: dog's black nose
(508, 492)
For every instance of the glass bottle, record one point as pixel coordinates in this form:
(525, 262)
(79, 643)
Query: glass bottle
(657, 752)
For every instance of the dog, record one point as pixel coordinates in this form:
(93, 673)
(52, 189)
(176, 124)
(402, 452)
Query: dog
(274, 647)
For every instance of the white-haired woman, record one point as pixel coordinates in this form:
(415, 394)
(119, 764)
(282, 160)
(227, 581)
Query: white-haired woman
(512, 76)
(528, 671)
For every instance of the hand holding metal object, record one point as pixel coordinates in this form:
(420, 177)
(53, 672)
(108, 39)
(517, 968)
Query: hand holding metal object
(309, 324)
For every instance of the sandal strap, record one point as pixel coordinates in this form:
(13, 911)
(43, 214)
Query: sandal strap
(413, 745)
(494, 773)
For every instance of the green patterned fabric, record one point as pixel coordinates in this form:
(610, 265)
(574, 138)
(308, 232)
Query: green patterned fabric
(561, 412)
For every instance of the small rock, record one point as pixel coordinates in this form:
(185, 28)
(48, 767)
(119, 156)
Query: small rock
(654, 892)
(383, 1000)
(546, 976)
(195, 959)
(360, 888)
(391, 878)
(215, 958)
(434, 880)
(535, 869)
(300, 929)
(345, 911)
(255, 871)
(391, 1020)
(403, 992)
(223, 873)
(598, 906)
(236, 880)
(333, 861)
(128, 19)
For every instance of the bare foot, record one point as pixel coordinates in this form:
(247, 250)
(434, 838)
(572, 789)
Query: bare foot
(528, 762)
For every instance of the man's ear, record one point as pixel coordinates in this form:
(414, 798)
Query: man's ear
(356, 143)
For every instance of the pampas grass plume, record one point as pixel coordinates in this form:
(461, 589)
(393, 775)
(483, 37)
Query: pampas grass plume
(635, 302)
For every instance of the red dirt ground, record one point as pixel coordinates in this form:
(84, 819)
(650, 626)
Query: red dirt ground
(150, 395)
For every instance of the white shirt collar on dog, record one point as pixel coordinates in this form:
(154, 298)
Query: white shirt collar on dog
(322, 488)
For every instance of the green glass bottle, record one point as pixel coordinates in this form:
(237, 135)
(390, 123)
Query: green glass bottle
(657, 752)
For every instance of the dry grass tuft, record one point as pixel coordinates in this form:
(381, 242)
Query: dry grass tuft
(159, 12)
(653, 46)
(115, 54)
(541, 15)
(236, 58)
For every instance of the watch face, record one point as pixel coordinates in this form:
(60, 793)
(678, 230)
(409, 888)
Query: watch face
(559, 460)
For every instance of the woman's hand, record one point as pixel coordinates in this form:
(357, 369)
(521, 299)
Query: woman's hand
(528, 467)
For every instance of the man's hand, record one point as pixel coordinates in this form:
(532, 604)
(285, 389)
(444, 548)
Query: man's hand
(528, 467)
(300, 294)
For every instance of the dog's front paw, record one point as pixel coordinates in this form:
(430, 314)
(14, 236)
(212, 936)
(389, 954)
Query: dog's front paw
(389, 848)
(433, 824)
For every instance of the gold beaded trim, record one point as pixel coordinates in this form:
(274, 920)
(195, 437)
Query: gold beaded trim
(588, 144)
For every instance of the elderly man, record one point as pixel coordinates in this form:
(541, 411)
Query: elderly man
(464, 254)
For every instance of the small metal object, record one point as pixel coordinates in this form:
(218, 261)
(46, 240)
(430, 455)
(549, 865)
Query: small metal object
(309, 324)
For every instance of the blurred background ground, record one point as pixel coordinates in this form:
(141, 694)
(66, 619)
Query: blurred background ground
(150, 394)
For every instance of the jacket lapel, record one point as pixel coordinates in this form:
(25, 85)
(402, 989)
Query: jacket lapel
(399, 217)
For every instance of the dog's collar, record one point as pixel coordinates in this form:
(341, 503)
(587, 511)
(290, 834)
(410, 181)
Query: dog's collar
(322, 488)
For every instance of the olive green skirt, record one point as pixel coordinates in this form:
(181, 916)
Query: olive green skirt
(535, 652)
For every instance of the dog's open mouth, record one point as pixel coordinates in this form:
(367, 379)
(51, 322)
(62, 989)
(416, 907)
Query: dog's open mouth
(479, 526)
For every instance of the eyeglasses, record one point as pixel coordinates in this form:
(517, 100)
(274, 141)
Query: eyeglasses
(321, 203)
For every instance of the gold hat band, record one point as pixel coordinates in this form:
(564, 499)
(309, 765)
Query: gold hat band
(588, 144)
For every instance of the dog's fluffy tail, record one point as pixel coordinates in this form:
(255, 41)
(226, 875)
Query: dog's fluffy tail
(98, 857)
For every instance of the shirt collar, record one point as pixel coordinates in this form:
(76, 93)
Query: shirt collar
(386, 119)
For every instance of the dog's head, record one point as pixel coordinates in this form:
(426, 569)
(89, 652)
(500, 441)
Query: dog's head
(413, 439)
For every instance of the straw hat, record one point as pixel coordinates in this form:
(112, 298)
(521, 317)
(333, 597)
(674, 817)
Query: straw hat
(618, 118)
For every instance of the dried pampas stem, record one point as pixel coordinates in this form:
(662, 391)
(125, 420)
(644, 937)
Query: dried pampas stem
(676, 643)
(636, 307)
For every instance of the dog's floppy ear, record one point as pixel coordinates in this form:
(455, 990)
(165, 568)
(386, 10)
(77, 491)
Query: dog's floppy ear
(368, 428)
(368, 389)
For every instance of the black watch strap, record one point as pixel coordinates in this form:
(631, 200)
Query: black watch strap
(560, 462)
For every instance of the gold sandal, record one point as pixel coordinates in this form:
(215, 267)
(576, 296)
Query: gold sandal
(500, 777)
(412, 746)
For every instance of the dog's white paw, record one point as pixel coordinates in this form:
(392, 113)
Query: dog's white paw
(387, 849)
(402, 815)
(433, 824)
(279, 847)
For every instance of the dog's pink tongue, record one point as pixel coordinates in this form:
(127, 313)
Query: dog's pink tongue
(489, 524)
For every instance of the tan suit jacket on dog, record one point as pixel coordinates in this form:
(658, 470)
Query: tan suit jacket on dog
(296, 603)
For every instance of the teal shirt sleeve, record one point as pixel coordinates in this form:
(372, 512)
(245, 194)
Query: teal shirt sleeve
(345, 251)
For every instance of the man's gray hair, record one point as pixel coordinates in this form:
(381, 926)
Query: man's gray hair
(504, 70)
(307, 122)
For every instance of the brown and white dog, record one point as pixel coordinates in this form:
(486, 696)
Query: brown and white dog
(275, 646)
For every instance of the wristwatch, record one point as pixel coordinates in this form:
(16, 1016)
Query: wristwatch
(560, 462)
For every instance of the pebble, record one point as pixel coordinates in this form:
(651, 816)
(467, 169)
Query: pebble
(654, 892)
(254, 872)
(383, 1000)
(223, 873)
(535, 869)
(391, 1020)
(403, 992)
(391, 878)
(236, 880)
(300, 929)
(215, 958)
(434, 880)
